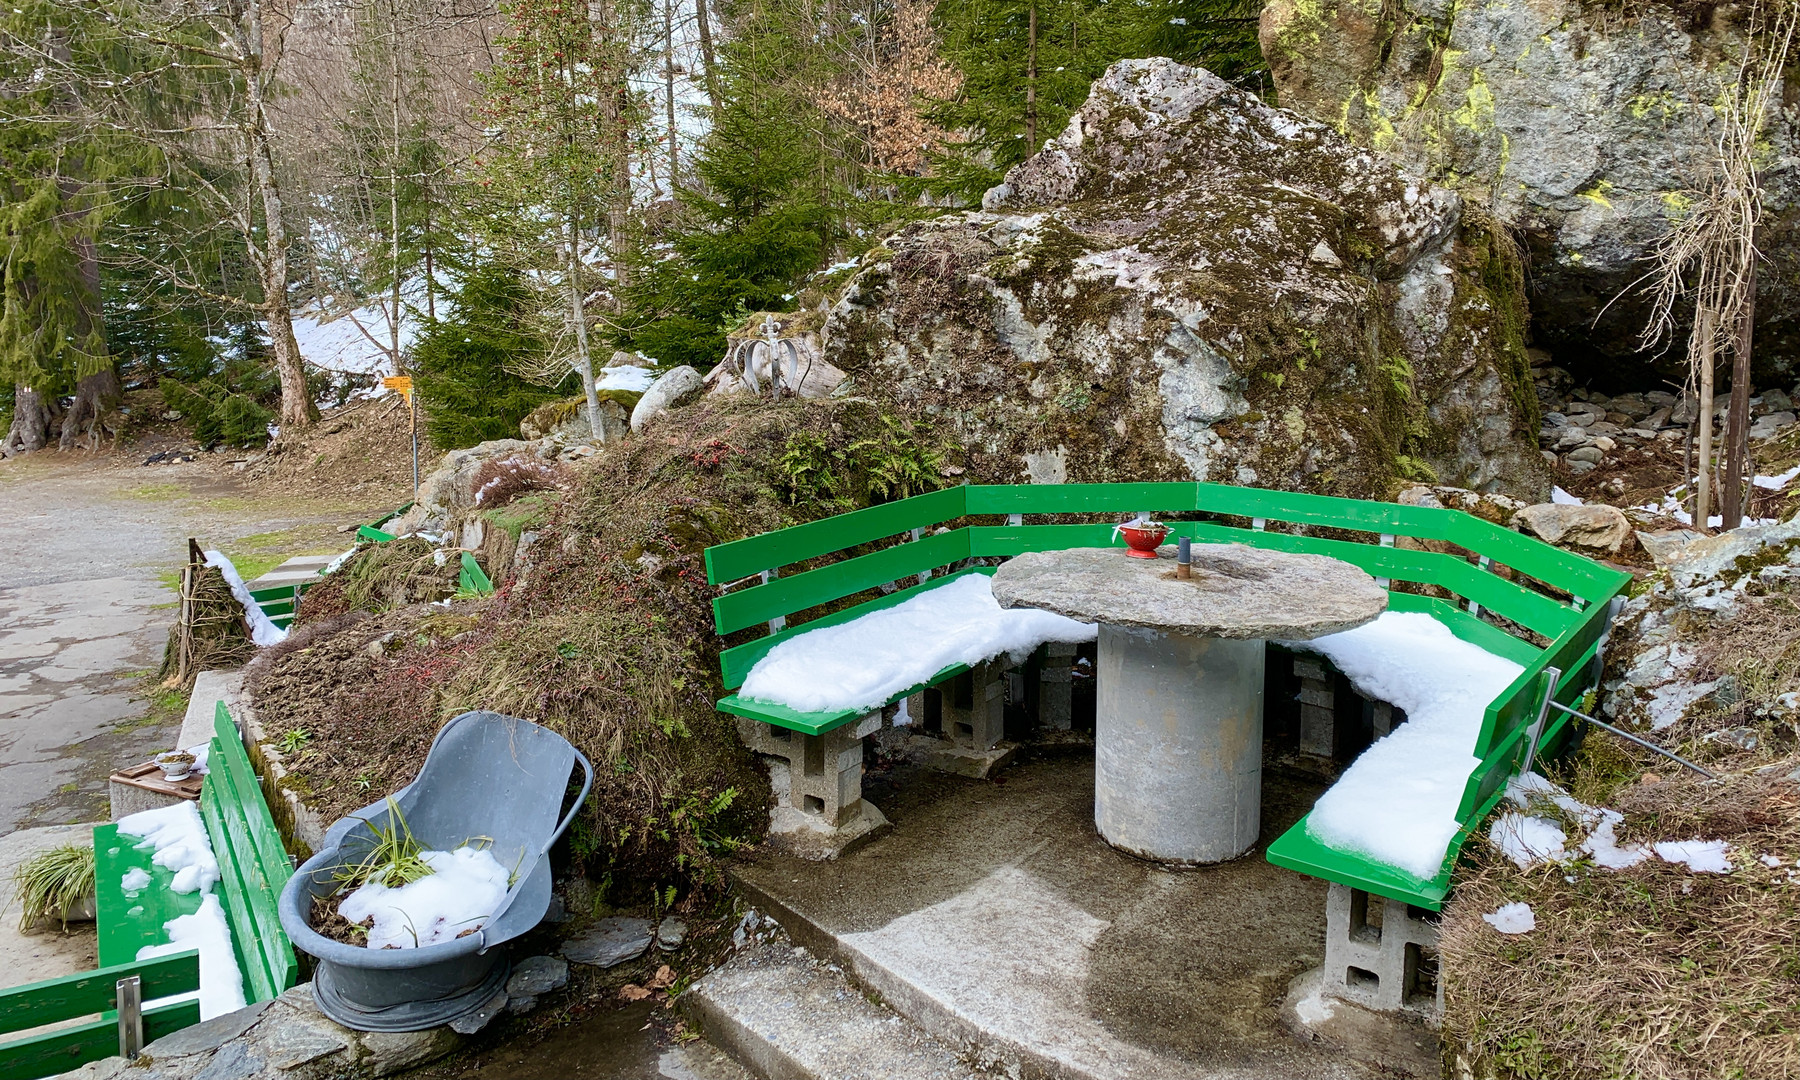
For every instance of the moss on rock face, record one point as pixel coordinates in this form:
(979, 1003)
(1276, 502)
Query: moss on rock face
(1188, 283)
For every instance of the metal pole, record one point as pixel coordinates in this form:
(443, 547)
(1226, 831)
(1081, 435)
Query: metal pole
(1641, 742)
(412, 417)
(129, 995)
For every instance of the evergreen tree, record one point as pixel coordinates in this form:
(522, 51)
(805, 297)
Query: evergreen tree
(464, 362)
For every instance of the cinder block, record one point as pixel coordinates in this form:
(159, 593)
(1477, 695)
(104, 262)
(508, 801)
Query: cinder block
(975, 707)
(824, 771)
(1056, 705)
(1380, 952)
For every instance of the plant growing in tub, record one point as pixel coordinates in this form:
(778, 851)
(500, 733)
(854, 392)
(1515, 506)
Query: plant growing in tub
(55, 886)
(401, 895)
(1142, 536)
(175, 764)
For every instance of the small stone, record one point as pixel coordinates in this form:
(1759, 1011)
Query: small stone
(1595, 525)
(670, 933)
(519, 1006)
(1656, 420)
(610, 942)
(536, 975)
(1589, 454)
(1767, 426)
(557, 912)
(209, 1035)
(1549, 456)
(480, 1018)
(1744, 738)
(1684, 411)
(1579, 467)
(1660, 399)
(1777, 401)
(1605, 445)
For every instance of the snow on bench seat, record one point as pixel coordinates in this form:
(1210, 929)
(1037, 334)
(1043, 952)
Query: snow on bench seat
(1397, 803)
(867, 662)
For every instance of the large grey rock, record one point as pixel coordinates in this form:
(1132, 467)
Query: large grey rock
(448, 491)
(610, 942)
(1236, 591)
(675, 387)
(1594, 525)
(1576, 127)
(388, 1052)
(1150, 298)
(208, 1035)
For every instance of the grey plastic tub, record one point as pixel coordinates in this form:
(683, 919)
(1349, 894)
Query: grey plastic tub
(487, 775)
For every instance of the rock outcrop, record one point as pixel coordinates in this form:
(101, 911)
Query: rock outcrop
(1189, 283)
(1581, 126)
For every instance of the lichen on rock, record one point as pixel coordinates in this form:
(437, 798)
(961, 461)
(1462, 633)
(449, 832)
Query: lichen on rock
(1188, 283)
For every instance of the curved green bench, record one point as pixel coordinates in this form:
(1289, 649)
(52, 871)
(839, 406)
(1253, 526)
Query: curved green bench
(772, 579)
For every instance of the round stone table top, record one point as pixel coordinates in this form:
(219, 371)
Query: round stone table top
(1236, 591)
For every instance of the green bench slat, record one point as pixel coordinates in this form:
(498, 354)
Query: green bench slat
(64, 1049)
(735, 663)
(363, 532)
(1421, 522)
(253, 864)
(273, 592)
(752, 555)
(1297, 850)
(1553, 566)
(1130, 498)
(126, 924)
(70, 996)
(785, 596)
(473, 578)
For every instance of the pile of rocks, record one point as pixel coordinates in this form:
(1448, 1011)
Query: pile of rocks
(1585, 429)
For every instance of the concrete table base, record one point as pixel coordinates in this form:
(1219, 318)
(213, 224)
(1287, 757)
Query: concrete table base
(1178, 744)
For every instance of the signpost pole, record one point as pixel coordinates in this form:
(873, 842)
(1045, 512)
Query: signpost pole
(403, 383)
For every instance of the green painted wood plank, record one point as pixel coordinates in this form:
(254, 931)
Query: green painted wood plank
(742, 558)
(787, 595)
(735, 663)
(125, 924)
(818, 723)
(64, 1049)
(473, 578)
(51, 1001)
(258, 860)
(1530, 556)
(1423, 522)
(365, 533)
(1125, 498)
(1298, 850)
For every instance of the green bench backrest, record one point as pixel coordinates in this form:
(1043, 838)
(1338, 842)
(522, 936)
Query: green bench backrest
(253, 864)
(83, 994)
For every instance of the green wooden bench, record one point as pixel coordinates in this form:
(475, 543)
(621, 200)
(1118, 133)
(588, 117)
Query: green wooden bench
(778, 579)
(279, 602)
(253, 866)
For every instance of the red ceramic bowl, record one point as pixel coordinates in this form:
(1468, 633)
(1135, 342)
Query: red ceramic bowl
(1142, 543)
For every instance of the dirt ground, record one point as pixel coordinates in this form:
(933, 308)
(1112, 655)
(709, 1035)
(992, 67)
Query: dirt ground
(93, 543)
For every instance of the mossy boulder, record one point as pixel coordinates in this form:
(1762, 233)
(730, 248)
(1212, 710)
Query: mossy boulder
(1583, 127)
(1188, 283)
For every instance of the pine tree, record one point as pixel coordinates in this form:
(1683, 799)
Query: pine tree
(464, 361)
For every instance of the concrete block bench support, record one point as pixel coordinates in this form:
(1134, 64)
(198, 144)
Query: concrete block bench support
(820, 810)
(1056, 687)
(1379, 952)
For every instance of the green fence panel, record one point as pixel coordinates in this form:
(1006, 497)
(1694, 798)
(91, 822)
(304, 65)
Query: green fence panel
(1151, 498)
(64, 1049)
(752, 555)
(784, 596)
(1532, 557)
(253, 863)
(1423, 522)
(72, 996)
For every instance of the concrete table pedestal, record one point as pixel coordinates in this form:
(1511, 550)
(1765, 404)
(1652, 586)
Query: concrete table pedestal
(1178, 727)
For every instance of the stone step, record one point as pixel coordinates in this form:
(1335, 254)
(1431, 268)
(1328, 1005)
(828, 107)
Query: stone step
(788, 1016)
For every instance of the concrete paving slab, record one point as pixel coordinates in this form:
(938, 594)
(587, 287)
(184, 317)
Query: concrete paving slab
(45, 954)
(996, 918)
(790, 1017)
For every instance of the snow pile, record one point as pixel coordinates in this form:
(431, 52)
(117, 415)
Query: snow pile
(182, 848)
(463, 891)
(625, 377)
(864, 663)
(1779, 481)
(134, 881)
(1397, 803)
(221, 983)
(1562, 498)
(1528, 839)
(262, 631)
(1512, 919)
(342, 343)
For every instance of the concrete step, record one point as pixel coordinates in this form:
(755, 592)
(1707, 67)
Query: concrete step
(788, 1016)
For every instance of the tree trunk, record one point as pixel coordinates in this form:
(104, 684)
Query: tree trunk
(1737, 425)
(584, 361)
(1703, 499)
(669, 93)
(32, 416)
(708, 63)
(297, 409)
(95, 396)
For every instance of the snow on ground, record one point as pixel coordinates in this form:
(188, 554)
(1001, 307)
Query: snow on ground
(221, 983)
(864, 663)
(1779, 481)
(464, 890)
(1563, 498)
(1701, 856)
(1397, 803)
(182, 847)
(335, 343)
(1528, 839)
(262, 631)
(1512, 919)
(625, 377)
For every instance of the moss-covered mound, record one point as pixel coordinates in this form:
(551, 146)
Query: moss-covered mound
(603, 631)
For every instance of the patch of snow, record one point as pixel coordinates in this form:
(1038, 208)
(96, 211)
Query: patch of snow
(1397, 803)
(625, 377)
(1700, 856)
(134, 881)
(335, 343)
(337, 564)
(263, 632)
(464, 889)
(864, 663)
(1512, 919)
(1528, 840)
(1563, 498)
(1313, 1009)
(1776, 483)
(1668, 703)
(1604, 847)
(1770, 861)
(903, 718)
(221, 983)
(182, 847)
